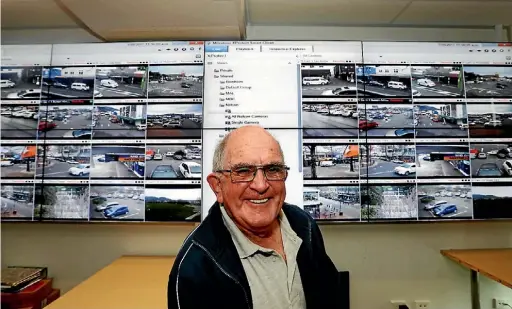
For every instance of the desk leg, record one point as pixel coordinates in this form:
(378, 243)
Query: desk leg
(475, 293)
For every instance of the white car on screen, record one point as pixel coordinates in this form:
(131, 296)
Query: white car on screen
(79, 86)
(507, 167)
(426, 82)
(314, 81)
(326, 163)
(158, 156)
(80, 170)
(6, 83)
(406, 169)
(190, 169)
(109, 83)
(6, 163)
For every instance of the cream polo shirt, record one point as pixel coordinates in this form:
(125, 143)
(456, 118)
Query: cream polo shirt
(275, 283)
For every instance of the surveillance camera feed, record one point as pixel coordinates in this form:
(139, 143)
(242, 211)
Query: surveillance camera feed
(445, 201)
(328, 80)
(330, 161)
(491, 160)
(443, 161)
(67, 121)
(120, 81)
(20, 122)
(176, 204)
(175, 81)
(119, 121)
(17, 202)
(333, 202)
(440, 120)
(119, 202)
(492, 201)
(117, 162)
(329, 120)
(490, 120)
(18, 161)
(173, 161)
(69, 202)
(437, 81)
(174, 120)
(389, 120)
(388, 161)
(21, 83)
(488, 81)
(384, 81)
(396, 202)
(63, 161)
(73, 82)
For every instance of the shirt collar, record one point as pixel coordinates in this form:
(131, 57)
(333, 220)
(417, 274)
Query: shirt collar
(244, 246)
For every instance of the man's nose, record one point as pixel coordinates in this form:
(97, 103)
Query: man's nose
(259, 183)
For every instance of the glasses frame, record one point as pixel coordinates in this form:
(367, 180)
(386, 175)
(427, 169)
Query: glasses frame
(258, 167)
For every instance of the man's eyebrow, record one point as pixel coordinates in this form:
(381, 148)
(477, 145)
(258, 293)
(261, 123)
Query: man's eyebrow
(245, 164)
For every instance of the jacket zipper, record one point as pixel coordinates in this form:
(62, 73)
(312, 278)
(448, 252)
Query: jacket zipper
(225, 273)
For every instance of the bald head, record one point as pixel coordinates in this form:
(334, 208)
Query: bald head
(242, 140)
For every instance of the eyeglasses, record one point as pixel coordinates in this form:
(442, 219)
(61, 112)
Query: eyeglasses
(272, 172)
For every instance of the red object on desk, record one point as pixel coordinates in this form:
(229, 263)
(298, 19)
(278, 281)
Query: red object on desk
(30, 296)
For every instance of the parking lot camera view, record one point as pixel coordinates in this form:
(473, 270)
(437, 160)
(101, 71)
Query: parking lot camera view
(119, 121)
(384, 81)
(488, 81)
(332, 202)
(19, 83)
(388, 161)
(390, 120)
(18, 161)
(441, 120)
(173, 162)
(492, 201)
(68, 82)
(175, 81)
(67, 121)
(17, 201)
(491, 160)
(61, 202)
(330, 161)
(445, 201)
(63, 161)
(120, 81)
(490, 120)
(174, 120)
(176, 204)
(119, 162)
(389, 202)
(437, 81)
(21, 122)
(442, 161)
(117, 202)
(328, 80)
(320, 120)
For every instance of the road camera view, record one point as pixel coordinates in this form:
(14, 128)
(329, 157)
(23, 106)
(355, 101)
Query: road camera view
(119, 162)
(437, 81)
(384, 81)
(67, 121)
(175, 81)
(490, 120)
(68, 82)
(329, 120)
(176, 204)
(17, 201)
(442, 161)
(332, 202)
(63, 161)
(18, 161)
(20, 83)
(492, 201)
(62, 202)
(330, 161)
(445, 201)
(488, 81)
(390, 120)
(389, 202)
(173, 162)
(117, 202)
(383, 161)
(491, 160)
(441, 120)
(174, 120)
(328, 80)
(120, 81)
(119, 121)
(21, 122)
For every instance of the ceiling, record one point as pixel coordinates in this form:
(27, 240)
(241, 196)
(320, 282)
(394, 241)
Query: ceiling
(128, 20)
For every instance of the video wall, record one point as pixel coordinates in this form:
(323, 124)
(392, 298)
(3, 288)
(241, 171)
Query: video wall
(372, 131)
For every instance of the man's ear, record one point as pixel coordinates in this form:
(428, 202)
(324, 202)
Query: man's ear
(216, 186)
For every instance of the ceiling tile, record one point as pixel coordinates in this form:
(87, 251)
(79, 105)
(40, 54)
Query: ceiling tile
(33, 14)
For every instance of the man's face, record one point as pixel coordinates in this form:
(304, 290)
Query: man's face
(256, 204)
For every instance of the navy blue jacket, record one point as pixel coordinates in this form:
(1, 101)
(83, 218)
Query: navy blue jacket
(208, 273)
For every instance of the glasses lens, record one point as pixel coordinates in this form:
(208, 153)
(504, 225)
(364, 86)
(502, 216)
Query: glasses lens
(245, 173)
(275, 172)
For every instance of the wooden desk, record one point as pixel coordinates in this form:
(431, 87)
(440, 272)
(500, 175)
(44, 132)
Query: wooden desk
(493, 263)
(130, 282)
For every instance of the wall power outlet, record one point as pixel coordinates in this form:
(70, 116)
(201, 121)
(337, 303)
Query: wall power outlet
(498, 303)
(422, 304)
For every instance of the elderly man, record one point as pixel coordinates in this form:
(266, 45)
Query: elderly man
(253, 250)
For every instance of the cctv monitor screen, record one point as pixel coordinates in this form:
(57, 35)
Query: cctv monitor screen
(385, 131)
(102, 132)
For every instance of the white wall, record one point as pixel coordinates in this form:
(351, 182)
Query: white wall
(47, 36)
(255, 32)
(385, 261)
